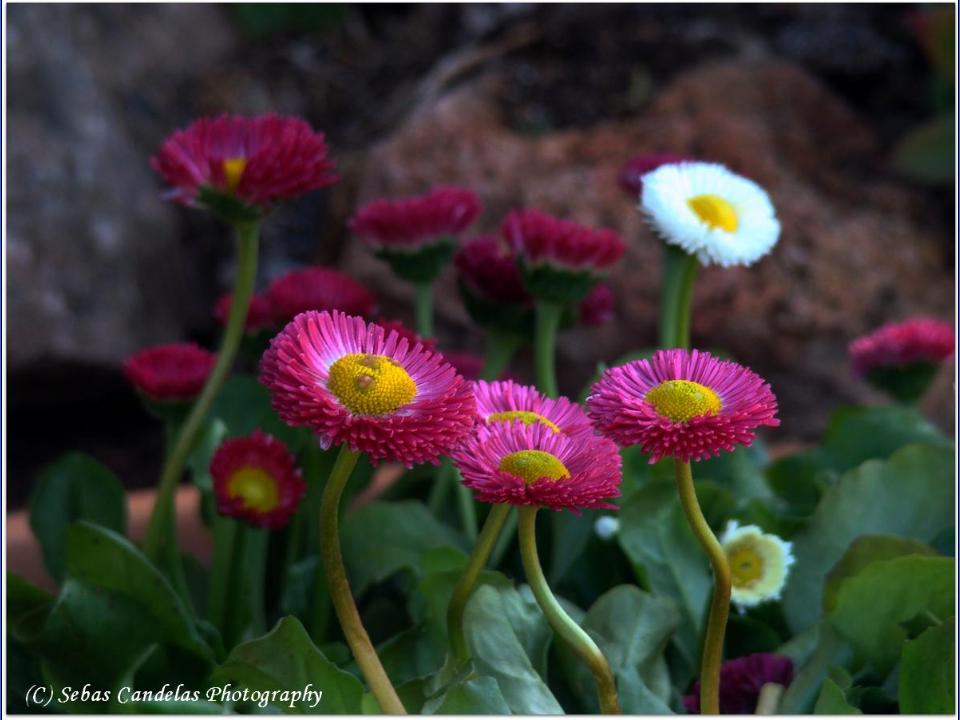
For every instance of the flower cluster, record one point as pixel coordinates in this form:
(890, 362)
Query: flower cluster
(896, 345)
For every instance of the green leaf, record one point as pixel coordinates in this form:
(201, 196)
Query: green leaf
(657, 539)
(476, 696)
(799, 479)
(75, 487)
(815, 652)
(244, 406)
(632, 629)
(927, 152)
(285, 659)
(927, 672)
(862, 552)
(910, 495)
(503, 650)
(856, 434)
(833, 701)
(27, 607)
(871, 605)
(381, 539)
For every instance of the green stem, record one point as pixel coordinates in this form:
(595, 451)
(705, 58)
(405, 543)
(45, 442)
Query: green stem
(465, 506)
(504, 541)
(548, 320)
(562, 624)
(719, 603)
(235, 603)
(339, 588)
(224, 534)
(424, 309)
(161, 536)
(679, 274)
(500, 350)
(467, 582)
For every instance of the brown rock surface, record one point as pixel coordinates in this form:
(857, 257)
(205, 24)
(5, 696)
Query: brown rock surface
(856, 250)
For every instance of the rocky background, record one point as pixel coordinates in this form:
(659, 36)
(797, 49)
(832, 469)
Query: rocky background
(529, 105)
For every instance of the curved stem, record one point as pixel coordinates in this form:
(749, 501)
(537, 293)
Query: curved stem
(719, 603)
(467, 582)
(499, 351)
(424, 309)
(562, 624)
(679, 274)
(339, 588)
(548, 319)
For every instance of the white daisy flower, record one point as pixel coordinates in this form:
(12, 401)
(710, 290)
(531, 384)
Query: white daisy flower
(722, 218)
(759, 563)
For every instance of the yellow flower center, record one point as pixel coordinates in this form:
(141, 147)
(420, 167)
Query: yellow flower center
(233, 170)
(746, 565)
(533, 465)
(715, 212)
(681, 400)
(370, 384)
(525, 416)
(256, 488)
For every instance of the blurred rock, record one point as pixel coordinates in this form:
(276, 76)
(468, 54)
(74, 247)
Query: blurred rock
(857, 248)
(93, 255)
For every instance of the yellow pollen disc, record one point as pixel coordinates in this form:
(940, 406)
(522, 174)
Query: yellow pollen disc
(525, 416)
(533, 465)
(746, 565)
(715, 212)
(256, 488)
(233, 170)
(370, 384)
(681, 400)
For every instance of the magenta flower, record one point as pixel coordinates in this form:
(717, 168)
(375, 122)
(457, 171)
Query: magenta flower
(741, 680)
(541, 239)
(410, 223)
(259, 314)
(682, 404)
(489, 270)
(317, 288)
(597, 307)
(350, 382)
(255, 479)
(519, 464)
(174, 372)
(257, 161)
(917, 340)
(506, 400)
(632, 172)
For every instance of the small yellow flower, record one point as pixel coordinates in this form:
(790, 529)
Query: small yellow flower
(759, 563)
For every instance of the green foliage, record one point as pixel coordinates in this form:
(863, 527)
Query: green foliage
(927, 672)
(474, 696)
(833, 701)
(910, 495)
(266, 19)
(75, 487)
(286, 659)
(927, 152)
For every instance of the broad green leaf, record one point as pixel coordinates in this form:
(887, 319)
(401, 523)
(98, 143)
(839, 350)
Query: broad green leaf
(856, 434)
(862, 552)
(927, 672)
(416, 652)
(75, 487)
(286, 659)
(814, 653)
(27, 607)
(632, 629)
(910, 495)
(381, 539)
(569, 534)
(927, 152)
(740, 471)
(871, 605)
(501, 649)
(99, 558)
(655, 536)
(476, 696)
(833, 701)
(799, 479)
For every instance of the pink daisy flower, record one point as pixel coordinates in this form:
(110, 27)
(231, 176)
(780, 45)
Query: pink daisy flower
(597, 307)
(489, 270)
(410, 223)
(682, 404)
(741, 680)
(506, 400)
(317, 288)
(519, 464)
(351, 382)
(259, 314)
(918, 340)
(541, 239)
(173, 372)
(632, 172)
(255, 479)
(256, 161)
